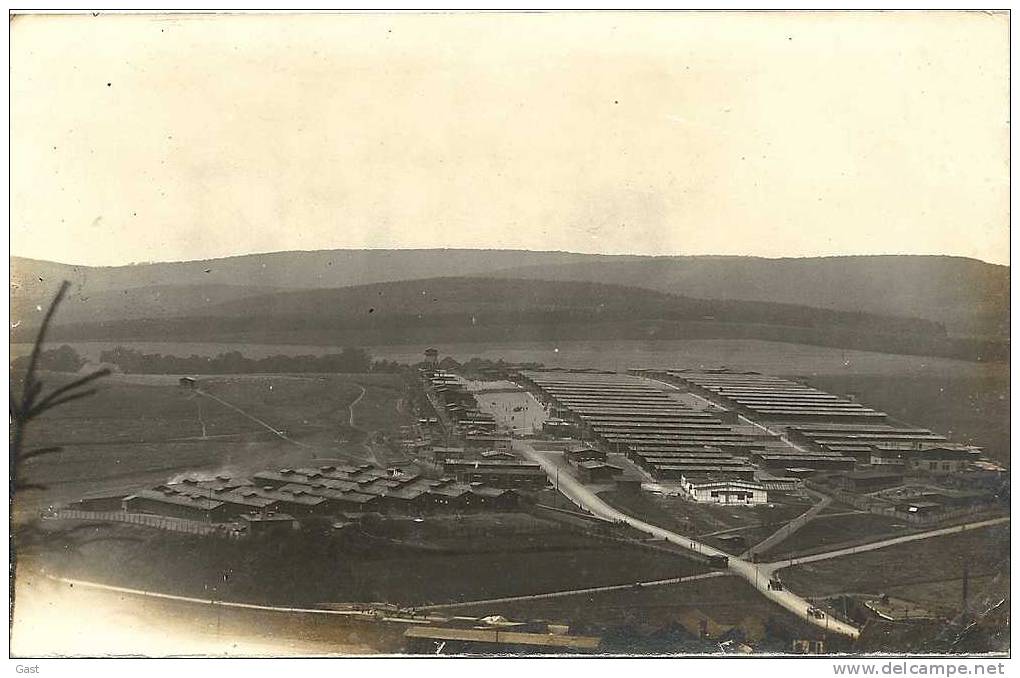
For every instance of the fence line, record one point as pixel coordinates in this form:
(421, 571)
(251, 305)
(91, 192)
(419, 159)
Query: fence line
(149, 520)
(880, 508)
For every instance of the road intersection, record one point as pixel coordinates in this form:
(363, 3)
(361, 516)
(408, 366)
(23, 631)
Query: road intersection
(587, 500)
(758, 575)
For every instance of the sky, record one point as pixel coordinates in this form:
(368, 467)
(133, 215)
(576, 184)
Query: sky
(155, 138)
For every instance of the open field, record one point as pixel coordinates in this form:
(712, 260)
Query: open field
(475, 532)
(928, 572)
(966, 400)
(826, 531)
(139, 432)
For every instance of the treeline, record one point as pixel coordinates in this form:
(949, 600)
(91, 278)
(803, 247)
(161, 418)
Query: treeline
(485, 366)
(63, 359)
(349, 360)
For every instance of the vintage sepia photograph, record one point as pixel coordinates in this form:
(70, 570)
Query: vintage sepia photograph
(506, 333)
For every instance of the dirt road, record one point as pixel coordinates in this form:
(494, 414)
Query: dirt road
(279, 434)
(560, 474)
(873, 546)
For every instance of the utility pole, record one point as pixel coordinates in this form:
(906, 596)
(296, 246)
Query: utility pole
(966, 590)
(557, 487)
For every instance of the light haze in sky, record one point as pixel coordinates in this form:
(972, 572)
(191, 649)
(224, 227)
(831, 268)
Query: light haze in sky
(153, 138)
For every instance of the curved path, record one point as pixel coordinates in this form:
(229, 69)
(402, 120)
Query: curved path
(786, 530)
(755, 574)
(350, 408)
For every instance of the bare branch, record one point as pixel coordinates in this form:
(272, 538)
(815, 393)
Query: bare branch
(29, 393)
(66, 399)
(41, 337)
(40, 452)
(47, 402)
(13, 406)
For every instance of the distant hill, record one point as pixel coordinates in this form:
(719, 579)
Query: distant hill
(495, 309)
(285, 270)
(496, 300)
(969, 297)
(157, 301)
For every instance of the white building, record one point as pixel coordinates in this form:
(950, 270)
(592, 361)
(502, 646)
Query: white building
(742, 492)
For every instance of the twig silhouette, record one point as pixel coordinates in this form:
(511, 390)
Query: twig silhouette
(25, 407)
(31, 402)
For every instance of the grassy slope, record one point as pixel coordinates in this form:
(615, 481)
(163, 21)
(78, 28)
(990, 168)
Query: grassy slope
(970, 296)
(641, 613)
(487, 309)
(306, 570)
(909, 569)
